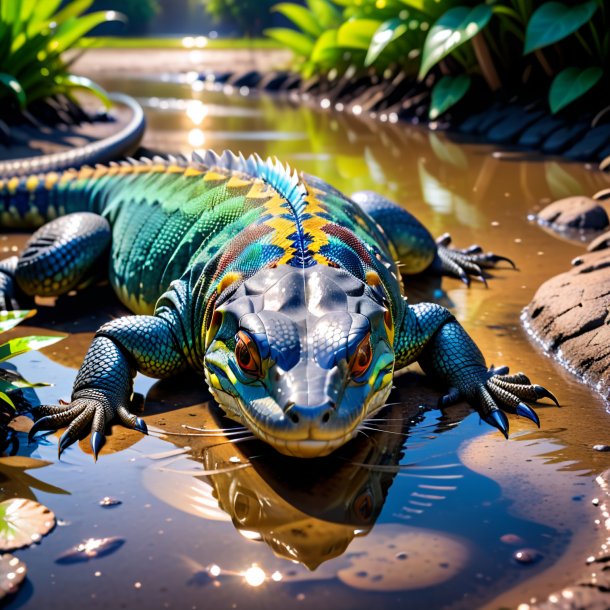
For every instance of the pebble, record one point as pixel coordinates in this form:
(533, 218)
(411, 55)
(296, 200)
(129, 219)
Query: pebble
(527, 556)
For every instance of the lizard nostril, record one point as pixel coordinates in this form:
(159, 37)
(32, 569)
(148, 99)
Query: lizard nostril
(294, 417)
(325, 417)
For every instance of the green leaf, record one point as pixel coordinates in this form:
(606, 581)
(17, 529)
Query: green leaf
(553, 21)
(7, 400)
(71, 30)
(72, 9)
(10, 319)
(357, 33)
(295, 41)
(82, 82)
(301, 17)
(451, 30)
(325, 12)
(14, 347)
(447, 92)
(572, 83)
(386, 33)
(326, 49)
(11, 83)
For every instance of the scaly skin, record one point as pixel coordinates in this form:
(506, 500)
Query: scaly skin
(284, 293)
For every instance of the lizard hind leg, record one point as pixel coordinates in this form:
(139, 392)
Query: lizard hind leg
(61, 255)
(415, 248)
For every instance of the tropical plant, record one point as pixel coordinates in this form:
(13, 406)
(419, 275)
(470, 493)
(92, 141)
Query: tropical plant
(10, 381)
(34, 36)
(564, 48)
(250, 16)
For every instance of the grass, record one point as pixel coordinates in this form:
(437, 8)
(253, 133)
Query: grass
(186, 42)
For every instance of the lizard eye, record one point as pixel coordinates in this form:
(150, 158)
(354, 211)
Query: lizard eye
(247, 354)
(362, 358)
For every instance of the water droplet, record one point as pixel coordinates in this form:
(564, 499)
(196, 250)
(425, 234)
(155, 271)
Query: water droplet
(401, 556)
(527, 556)
(601, 447)
(108, 502)
(91, 548)
(595, 501)
(511, 539)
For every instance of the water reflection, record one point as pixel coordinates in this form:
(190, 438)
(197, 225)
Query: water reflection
(305, 511)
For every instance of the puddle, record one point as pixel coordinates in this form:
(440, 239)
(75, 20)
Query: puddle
(426, 509)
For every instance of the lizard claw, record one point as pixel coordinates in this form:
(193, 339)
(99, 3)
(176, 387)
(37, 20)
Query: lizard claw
(97, 441)
(467, 263)
(498, 420)
(544, 393)
(141, 426)
(65, 440)
(526, 411)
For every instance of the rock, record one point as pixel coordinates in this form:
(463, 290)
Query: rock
(575, 213)
(490, 118)
(534, 135)
(595, 139)
(600, 242)
(569, 315)
(509, 128)
(564, 137)
(273, 81)
(245, 79)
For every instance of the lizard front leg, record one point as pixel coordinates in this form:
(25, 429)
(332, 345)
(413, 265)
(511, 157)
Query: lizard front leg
(104, 384)
(431, 336)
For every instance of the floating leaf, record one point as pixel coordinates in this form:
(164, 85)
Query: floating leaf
(553, 21)
(295, 41)
(570, 84)
(11, 83)
(14, 347)
(451, 30)
(10, 319)
(12, 573)
(447, 92)
(386, 33)
(23, 522)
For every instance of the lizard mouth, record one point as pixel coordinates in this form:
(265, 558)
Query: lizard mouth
(304, 447)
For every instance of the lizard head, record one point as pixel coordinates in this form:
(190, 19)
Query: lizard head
(301, 356)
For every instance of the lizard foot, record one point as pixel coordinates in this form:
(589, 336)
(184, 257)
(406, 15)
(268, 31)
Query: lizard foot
(507, 391)
(92, 411)
(467, 263)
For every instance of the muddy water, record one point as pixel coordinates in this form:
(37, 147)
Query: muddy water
(427, 509)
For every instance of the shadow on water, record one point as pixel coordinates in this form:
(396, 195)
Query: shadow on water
(424, 508)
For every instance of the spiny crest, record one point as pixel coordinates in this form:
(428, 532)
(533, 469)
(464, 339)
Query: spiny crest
(282, 178)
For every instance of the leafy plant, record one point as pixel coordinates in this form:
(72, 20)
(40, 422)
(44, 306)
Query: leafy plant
(10, 381)
(34, 35)
(556, 48)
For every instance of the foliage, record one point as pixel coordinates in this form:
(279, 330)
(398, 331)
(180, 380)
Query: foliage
(250, 16)
(10, 381)
(559, 48)
(34, 35)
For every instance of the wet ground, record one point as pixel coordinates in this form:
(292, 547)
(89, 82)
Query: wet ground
(428, 509)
